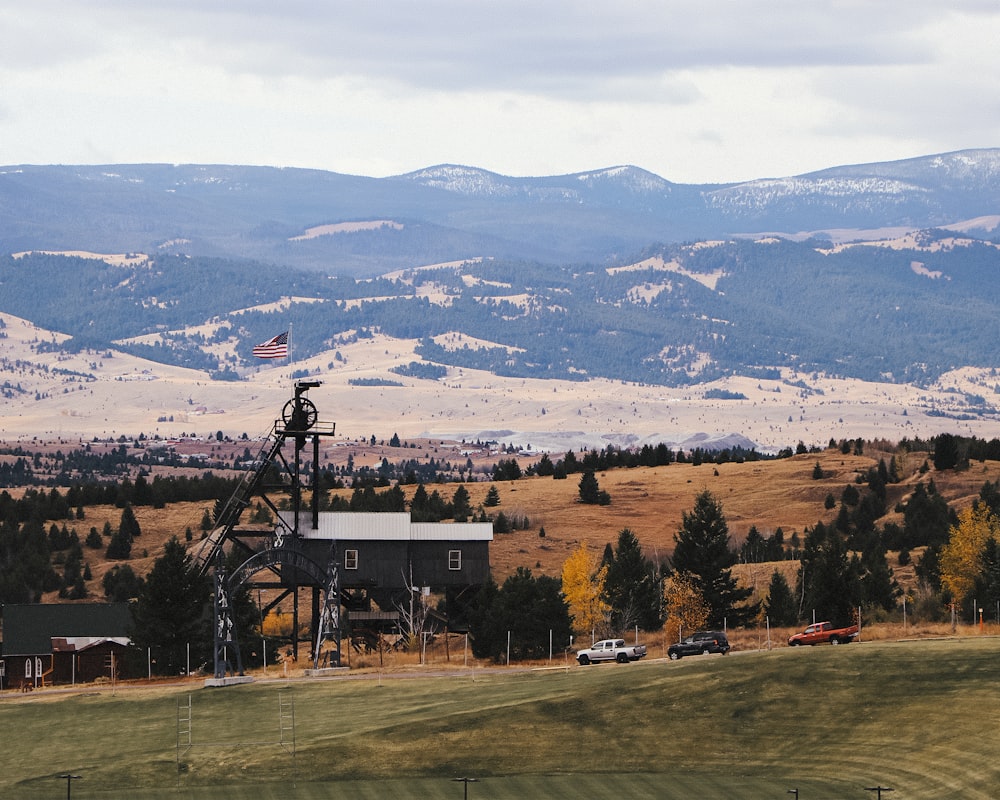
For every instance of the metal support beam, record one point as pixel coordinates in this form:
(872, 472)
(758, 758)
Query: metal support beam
(329, 627)
(279, 552)
(226, 644)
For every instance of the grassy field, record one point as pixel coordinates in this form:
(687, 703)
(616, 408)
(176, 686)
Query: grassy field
(919, 717)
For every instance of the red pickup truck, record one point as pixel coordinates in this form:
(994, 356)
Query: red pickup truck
(820, 632)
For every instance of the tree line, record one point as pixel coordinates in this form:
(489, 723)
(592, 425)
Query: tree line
(842, 564)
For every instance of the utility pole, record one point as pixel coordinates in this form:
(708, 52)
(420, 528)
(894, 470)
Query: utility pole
(69, 783)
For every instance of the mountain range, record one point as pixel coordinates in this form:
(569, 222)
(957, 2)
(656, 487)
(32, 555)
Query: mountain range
(880, 272)
(361, 226)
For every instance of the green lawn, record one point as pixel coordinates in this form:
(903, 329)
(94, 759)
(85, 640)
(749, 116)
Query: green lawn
(919, 717)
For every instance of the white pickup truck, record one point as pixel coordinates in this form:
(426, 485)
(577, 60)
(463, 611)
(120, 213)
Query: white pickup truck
(611, 650)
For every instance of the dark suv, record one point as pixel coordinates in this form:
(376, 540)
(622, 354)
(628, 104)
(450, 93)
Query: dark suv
(700, 642)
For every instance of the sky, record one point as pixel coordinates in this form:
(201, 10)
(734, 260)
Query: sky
(696, 92)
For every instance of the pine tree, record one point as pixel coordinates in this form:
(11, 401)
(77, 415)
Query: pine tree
(879, 589)
(531, 609)
(94, 539)
(78, 591)
(570, 463)
(928, 568)
(461, 507)
(486, 629)
(926, 518)
(170, 612)
(632, 586)
(545, 467)
(588, 488)
(590, 491)
(120, 546)
(987, 588)
(946, 452)
(419, 511)
(129, 524)
(121, 584)
(492, 498)
(780, 605)
(828, 584)
(702, 550)
(754, 547)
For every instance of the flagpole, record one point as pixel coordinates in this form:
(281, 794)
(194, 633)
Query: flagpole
(289, 343)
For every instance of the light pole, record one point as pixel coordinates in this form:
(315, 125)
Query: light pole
(878, 790)
(795, 792)
(466, 781)
(69, 783)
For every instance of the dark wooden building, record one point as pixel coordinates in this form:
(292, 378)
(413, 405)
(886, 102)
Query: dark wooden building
(389, 552)
(85, 659)
(63, 642)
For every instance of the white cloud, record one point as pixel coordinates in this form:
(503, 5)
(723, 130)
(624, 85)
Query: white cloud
(694, 91)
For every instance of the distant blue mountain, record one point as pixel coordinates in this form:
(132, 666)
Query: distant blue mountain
(447, 213)
(905, 310)
(613, 273)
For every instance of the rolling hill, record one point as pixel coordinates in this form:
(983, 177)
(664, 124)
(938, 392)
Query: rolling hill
(448, 212)
(898, 311)
(650, 501)
(915, 717)
(465, 297)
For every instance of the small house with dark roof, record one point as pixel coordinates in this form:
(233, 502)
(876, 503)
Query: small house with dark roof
(63, 643)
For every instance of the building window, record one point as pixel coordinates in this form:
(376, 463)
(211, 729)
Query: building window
(27, 668)
(350, 559)
(454, 559)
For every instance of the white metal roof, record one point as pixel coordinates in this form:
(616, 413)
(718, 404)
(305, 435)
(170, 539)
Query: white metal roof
(395, 526)
(63, 644)
(451, 531)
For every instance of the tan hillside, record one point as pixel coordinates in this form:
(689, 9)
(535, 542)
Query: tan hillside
(81, 396)
(650, 501)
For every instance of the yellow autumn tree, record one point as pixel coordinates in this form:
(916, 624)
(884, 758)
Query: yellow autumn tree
(277, 624)
(686, 609)
(583, 587)
(962, 557)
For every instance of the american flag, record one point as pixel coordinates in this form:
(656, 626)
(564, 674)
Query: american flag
(273, 348)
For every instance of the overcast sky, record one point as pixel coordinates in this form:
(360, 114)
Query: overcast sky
(694, 91)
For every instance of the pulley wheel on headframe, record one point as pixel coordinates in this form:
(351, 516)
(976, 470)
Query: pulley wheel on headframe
(299, 414)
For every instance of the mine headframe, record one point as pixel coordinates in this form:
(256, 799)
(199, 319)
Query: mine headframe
(276, 551)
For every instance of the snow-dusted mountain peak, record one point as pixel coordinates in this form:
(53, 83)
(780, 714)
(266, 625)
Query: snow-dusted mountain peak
(626, 177)
(462, 180)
